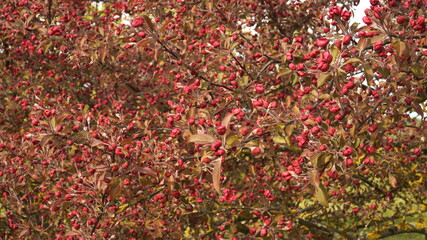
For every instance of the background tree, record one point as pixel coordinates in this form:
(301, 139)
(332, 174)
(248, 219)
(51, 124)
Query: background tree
(212, 119)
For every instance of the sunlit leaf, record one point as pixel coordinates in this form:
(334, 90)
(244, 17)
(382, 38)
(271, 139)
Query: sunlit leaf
(145, 171)
(279, 140)
(392, 180)
(216, 175)
(201, 139)
(321, 196)
(226, 121)
(369, 73)
(322, 78)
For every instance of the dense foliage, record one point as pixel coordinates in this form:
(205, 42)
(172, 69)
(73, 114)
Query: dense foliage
(135, 119)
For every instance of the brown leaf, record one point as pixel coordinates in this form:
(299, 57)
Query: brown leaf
(392, 180)
(201, 138)
(146, 171)
(116, 186)
(361, 45)
(99, 180)
(216, 175)
(148, 21)
(71, 233)
(226, 121)
(96, 142)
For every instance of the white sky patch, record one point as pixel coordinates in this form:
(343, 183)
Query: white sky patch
(359, 12)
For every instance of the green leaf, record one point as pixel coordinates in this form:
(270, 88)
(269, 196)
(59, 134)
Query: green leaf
(315, 159)
(289, 129)
(321, 195)
(232, 141)
(417, 71)
(352, 60)
(322, 78)
(283, 72)
(325, 96)
(122, 208)
(220, 76)
(335, 52)
(369, 73)
(279, 140)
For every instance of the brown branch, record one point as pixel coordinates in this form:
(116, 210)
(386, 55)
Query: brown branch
(373, 112)
(242, 67)
(395, 230)
(176, 56)
(98, 219)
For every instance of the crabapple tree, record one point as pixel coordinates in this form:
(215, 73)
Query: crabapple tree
(228, 119)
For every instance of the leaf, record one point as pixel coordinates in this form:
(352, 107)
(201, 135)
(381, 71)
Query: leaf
(418, 109)
(373, 235)
(352, 60)
(314, 159)
(369, 73)
(283, 72)
(83, 40)
(146, 171)
(325, 96)
(392, 180)
(45, 140)
(101, 31)
(71, 233)
(96, 142)
(191, 112)
(216, 175)
(226, 121)
(116, 186)
(334, 52)
(296, 110)
(322, 79)
(279, 140)
(400, 48)
(143, 43)
(201, 139)
(352, 131)
(220, 76)
(148, 21)
(122, 208)
(321, 195)
(99, 180)
(417, 71)
(232, 141)
(289, 129)
(361, 45)
(209, 5)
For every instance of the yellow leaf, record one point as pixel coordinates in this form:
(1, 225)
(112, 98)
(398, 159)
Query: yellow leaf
(373, 235)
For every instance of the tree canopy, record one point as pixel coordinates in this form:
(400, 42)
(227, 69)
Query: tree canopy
(203, 119)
